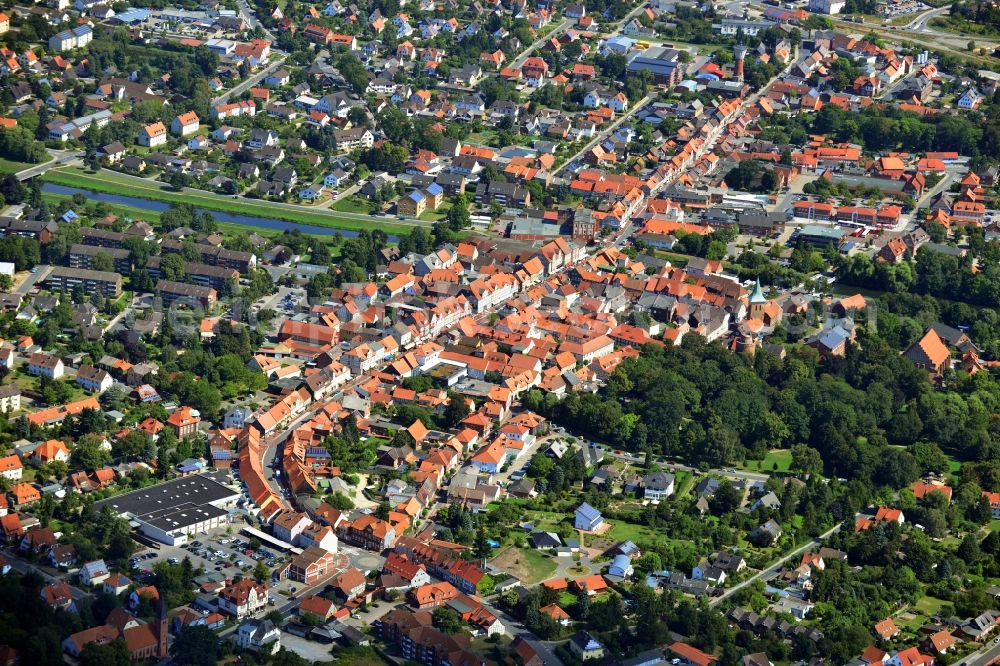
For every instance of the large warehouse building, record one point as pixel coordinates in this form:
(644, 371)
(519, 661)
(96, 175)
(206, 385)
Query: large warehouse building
(171, 511)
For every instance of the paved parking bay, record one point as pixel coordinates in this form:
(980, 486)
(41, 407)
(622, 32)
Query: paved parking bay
(312, 651)
(218, 551)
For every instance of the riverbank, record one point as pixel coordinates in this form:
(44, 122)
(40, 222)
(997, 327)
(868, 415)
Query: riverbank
(153, 217)
(117, 184)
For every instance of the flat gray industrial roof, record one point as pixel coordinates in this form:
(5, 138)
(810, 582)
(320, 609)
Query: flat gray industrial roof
(176, 503)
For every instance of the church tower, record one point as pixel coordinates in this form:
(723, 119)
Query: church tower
(757, 302)
(162, 629)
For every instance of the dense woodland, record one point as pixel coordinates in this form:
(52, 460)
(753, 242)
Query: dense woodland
(873, 417)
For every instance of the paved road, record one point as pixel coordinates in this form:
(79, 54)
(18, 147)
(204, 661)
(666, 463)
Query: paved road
(919, 24)
(33, 279)
(525, 457)
(776, 566)
(24, 566)
(983, 657)
(250, 82)
(120, 316)
(565, 25)
(252, 21)
(60, 158)
(343, 194)
(606, 133)
(515, 628)
(617, 25)
(559, 29)
(730, 473)
(943, 185)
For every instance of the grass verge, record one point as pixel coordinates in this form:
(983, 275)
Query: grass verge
(153, 217)
(10, 166)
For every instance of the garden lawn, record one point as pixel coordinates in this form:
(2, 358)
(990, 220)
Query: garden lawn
(954, 468)
(683, 483)
(545, 520)
(637, 534)
(120, 210)
(930, 606)
(528, 566)
(922, 611)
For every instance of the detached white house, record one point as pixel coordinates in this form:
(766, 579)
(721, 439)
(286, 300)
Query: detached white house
(94, 573)
(587, 518)
(185, 123)
(153, 135)
(258, 635)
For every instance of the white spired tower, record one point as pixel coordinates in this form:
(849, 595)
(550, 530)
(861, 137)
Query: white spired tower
(740, 52)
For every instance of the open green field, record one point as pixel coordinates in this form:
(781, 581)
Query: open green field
(679, 260)
(527, 565)
(954, 468)
(930, 605)
(780, 457)
(28, 382)
(960, 26)
(114, 183)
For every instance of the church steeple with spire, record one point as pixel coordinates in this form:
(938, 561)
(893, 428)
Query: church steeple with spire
(757, 301)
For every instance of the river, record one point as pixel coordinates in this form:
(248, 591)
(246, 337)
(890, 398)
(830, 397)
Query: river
(232, 218)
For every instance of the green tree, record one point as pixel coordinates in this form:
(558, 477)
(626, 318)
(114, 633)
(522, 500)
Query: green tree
(102, 261)
(447, 621)
(89, 453)
(806, 459)
(196, 646)
(115, 653)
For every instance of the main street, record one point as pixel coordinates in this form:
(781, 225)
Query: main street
(919, 24)
(565, 25)
(250, 16)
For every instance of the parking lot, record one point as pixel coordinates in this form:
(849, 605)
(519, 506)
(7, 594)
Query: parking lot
(218, 551)
(225, 551)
